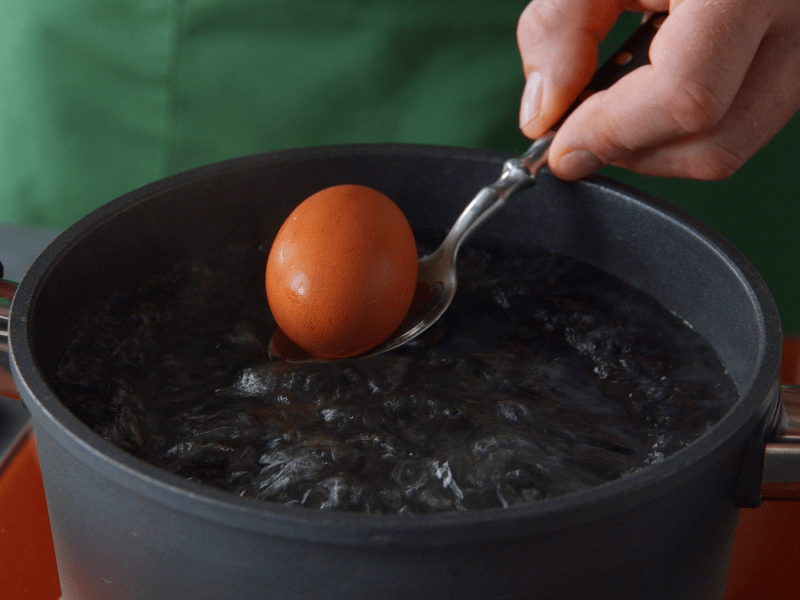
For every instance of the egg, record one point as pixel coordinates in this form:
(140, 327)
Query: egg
(342, 271)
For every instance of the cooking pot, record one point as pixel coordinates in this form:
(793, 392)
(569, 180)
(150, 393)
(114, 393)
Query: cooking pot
(123, 528)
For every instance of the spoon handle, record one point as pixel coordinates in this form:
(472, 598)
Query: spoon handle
(489, 201)
(522, 171)
(632, 54)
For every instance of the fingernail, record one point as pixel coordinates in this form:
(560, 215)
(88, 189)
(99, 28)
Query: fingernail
(578, 163)
(531, 99)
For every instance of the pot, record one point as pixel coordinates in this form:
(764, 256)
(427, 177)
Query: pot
(124, 528)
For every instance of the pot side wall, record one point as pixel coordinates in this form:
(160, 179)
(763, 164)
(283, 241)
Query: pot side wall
(112, 542)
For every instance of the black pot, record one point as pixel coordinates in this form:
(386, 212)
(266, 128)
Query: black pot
(125, 529)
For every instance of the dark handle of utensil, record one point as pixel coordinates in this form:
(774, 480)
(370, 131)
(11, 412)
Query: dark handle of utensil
(634, 53)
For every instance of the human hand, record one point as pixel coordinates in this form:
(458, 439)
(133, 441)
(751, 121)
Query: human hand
(724, 79)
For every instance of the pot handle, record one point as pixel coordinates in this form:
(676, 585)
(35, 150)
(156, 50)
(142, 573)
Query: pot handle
(781, 480)
(782, 455)
(7, 386)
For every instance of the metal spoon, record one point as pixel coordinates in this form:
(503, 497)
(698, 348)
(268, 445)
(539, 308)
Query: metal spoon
(436, 279)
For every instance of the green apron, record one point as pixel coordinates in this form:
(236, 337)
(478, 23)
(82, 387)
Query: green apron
(98, 97)
(103, 96)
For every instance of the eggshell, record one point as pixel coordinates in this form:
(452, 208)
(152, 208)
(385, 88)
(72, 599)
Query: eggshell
(342, 271)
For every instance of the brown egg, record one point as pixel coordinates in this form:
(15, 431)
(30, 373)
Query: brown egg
(342, 271)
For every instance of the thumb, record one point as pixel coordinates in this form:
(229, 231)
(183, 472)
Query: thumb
(558, 44)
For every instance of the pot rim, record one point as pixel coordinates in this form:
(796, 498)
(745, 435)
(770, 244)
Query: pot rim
(53, 418)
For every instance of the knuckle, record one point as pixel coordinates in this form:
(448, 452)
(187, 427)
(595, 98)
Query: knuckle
(694, 106)
(536, 23)
(609, 148)
(530, 29)
(716, 163)
(609, 141)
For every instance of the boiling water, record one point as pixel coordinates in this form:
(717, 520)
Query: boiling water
(545, 377)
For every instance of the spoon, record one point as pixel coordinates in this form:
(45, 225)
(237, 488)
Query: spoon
(436, 278)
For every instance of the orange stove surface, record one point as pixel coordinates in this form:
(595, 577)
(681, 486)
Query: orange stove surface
(27, 558)
(765, 556)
